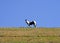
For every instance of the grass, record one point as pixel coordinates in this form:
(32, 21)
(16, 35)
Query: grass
(29, 35)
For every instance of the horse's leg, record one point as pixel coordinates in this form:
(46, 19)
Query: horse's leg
(29, 26)
(34, 25)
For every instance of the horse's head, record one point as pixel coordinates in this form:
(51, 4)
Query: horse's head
(27, 21)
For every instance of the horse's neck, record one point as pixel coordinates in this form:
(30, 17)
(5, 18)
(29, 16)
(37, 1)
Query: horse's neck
(27, 21)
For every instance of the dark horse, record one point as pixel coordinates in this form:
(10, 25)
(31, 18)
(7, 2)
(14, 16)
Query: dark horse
(30, 23)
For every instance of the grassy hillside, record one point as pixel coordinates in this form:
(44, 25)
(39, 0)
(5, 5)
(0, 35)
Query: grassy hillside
(29, 35)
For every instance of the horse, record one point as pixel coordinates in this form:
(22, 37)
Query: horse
(30, 22)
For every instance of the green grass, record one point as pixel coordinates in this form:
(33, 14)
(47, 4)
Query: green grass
(29, 35)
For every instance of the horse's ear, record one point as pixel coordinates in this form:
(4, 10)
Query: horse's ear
(25, 19)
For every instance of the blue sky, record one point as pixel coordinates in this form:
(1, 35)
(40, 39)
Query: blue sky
(14, 12)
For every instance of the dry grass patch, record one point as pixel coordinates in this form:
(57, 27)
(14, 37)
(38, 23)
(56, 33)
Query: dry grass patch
(29, 35)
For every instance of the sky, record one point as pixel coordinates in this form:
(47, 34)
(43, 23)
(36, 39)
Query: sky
(14, 12)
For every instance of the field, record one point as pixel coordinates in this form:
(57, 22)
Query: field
(29, 35)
